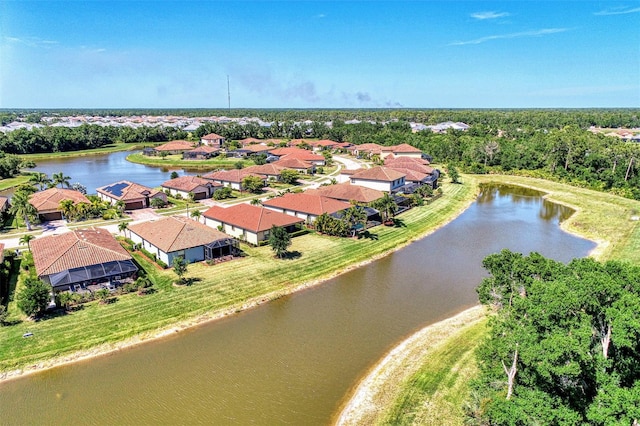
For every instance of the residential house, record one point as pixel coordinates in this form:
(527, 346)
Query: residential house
(300, 154)
(47, 202)
(296, 164)
(76, 259)
(403, 150)
(392, 160)
(249, 223)
(325, 144)
(212, 140)
(305, 206)
(134, 196)
(202, 152)
(179, 236)
(271, 171)
(232, 178)
(183, 185)
(379, 178)
(349, 193)
(174, 147)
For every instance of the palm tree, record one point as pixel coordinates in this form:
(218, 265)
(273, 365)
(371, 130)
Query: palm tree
(387, 206)
(354, 216)
(122, 226)
(26, 239)
(196, 215)
(67, 208)
(255, 202)
(21, 207)
(60, 178)
(120, 206)
(40, 179)
(191, 198)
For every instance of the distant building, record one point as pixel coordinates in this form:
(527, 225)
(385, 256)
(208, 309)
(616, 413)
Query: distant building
(213, 140)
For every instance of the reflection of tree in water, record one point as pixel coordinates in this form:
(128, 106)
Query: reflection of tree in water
(549, 210)
(518, 194)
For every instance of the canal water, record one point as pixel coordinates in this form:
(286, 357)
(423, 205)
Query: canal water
(296, 359)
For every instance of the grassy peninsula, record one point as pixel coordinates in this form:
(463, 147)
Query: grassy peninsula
(176, 161)
(217, 290)
(401, 389)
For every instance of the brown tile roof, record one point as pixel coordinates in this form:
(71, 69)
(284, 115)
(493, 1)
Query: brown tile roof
(1, 251)
(293, 163)
(178, 145)
(205, 149)
(187, 183)
(176, 233)
(49, 199)
(235, 175)
(392, 159)
(130, 192)
(398, 164)
(4, 201)
(212, 137)
(75, 249)
(265, 169)
(325, 143)
(405, 147)
(251, 218)
(307, 203)
(348, 192)
(249, 141)
(411, 175)
(369, 147)
(258, 148)
(302, 154)
(378, 173)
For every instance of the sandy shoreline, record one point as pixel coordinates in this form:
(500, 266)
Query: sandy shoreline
(111, 348)
(380, 384)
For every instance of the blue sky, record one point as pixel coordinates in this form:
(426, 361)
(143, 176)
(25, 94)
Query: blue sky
(312, 54)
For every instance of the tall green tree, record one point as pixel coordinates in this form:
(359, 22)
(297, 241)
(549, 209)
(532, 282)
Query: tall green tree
(61, 179)
(289, 176)
(386, 205)
(21, 207)
(26, 239)
(252, 184)
(180, 267)
(33, 299)
(280, 240)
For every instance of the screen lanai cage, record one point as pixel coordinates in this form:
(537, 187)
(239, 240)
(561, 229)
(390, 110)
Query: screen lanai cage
(92, 273)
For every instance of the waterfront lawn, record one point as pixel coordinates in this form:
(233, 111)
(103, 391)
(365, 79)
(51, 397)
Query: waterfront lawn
(225, 287)
(14, 181)
(176, 161)
(107, 149)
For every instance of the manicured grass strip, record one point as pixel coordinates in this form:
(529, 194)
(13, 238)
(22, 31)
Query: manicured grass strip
(435, 394)
(601, 217)
(225, 287)
(116, 147)
(14, 181)
(178, 162)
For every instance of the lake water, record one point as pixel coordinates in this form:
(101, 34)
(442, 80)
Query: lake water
(296, 359)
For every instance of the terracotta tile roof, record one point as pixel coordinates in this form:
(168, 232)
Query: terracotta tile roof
(258, 148)
(187, 183)
(49, 199)
(251, 218)
(344, 144)
(391, 159)
(205, 149)
(378, 173)
(284, 151)
(131, 191)
(307, 203)
(348, 192)
(266, 169)
(178, 145)
(4, 201)
(174, 233)
(369, 147)
(405, 147)
(212, 137)
(249, 141)
(303, 155)
(235, 175)
(410, 165)
(411, 175)
(293, 163)
(325, 143)
(1, 251)
(75, 249)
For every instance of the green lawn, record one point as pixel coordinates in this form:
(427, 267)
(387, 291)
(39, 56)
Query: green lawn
(116, 147)
(176, 161)
(223, 287)
(14, 181)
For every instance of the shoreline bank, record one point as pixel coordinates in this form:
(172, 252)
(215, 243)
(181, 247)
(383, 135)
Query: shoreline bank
(199, 320)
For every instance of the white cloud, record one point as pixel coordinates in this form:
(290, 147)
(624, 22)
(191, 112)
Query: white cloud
(31, 41)
(536, 33)
(618, 11)
(489, 15)
(321, 15)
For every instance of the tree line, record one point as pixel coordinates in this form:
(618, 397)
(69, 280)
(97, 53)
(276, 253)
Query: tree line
(563, 345)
